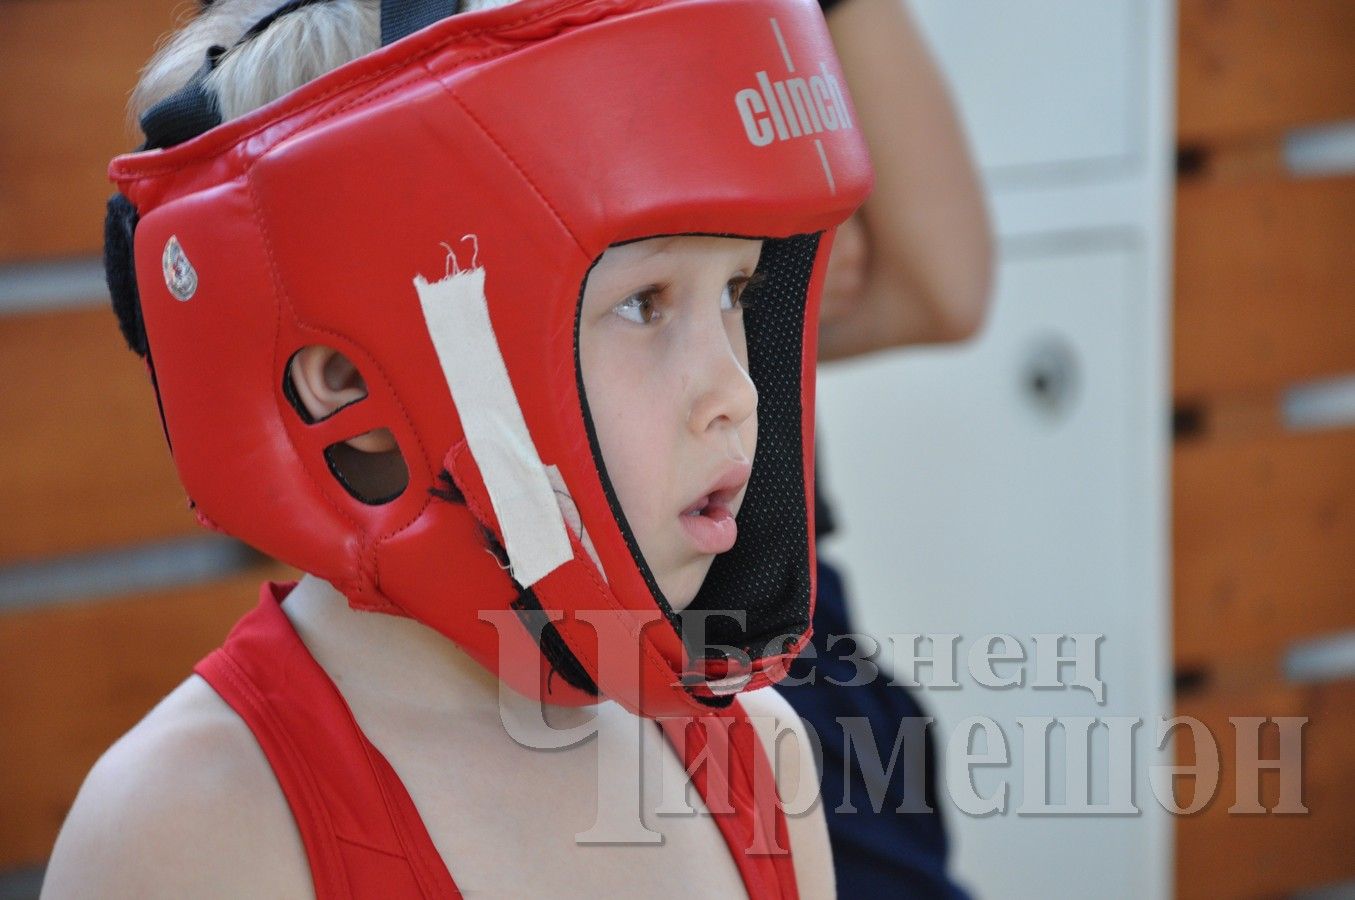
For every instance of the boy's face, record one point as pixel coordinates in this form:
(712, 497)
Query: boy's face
(665, 369)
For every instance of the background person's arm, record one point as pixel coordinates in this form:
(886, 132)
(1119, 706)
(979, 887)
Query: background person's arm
(914, 264)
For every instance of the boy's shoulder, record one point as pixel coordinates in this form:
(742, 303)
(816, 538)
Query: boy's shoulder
(175, 807)
(787, 743)
(793, 751)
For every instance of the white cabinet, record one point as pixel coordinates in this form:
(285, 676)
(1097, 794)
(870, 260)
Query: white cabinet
(1046, 88)
(996, 474)
(1016, 484)
(995, 490)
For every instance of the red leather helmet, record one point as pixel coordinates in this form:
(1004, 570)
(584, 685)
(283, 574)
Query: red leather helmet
(548, 130)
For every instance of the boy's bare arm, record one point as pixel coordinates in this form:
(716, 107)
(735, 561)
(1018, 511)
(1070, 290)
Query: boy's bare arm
(914, 265)
(184, 805)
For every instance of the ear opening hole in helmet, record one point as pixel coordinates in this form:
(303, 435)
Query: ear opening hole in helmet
(372, 476)
(319, 381)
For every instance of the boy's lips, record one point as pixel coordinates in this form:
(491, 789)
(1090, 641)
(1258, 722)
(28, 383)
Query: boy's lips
(713, 531)
(709, 520)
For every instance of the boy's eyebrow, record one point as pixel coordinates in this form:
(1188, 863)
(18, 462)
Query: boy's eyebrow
(662, 247)
(657, 248)
(625, 267)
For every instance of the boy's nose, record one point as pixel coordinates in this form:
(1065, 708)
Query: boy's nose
(723, 390)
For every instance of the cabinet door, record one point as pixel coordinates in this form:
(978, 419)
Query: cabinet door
(1046, 88)
(1007, 486)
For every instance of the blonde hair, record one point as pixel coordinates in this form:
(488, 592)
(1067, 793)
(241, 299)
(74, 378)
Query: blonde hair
(300, 46)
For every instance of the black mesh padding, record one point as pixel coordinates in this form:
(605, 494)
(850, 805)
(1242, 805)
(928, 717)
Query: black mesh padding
(766, 573)
(404, 17)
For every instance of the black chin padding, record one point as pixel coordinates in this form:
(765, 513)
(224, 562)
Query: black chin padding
(120, 271)
(400, 18)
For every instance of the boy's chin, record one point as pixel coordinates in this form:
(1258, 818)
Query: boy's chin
(681, 587)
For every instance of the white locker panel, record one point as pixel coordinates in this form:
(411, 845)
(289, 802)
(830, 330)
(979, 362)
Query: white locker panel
(1001, 487)
(1046, 88)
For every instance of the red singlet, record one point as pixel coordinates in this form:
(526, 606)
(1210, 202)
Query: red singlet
(362, 834)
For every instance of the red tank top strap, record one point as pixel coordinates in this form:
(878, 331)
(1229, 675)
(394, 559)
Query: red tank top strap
(362, 834)
(730, 767)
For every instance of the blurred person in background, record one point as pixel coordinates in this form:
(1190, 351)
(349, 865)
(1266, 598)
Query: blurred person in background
(913, 266)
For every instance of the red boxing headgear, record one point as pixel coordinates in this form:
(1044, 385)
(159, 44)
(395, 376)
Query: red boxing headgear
(548, 130)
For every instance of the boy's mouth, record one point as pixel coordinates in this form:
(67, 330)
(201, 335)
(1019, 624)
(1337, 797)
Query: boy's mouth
(724, 489)
(715, 499)
(710, 524)
(709, 521)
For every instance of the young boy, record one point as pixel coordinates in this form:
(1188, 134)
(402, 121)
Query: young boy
(573, 422)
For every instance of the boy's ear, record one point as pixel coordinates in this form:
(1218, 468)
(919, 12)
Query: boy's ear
(325, 381)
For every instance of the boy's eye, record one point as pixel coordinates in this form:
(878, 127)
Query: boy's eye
(638, 308)
(642, 308)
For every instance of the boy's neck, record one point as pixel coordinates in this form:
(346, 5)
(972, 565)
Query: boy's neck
(398, 659)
